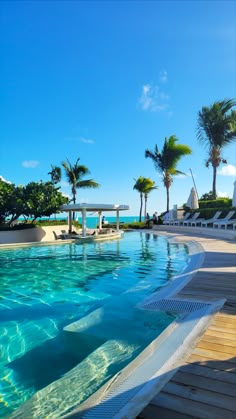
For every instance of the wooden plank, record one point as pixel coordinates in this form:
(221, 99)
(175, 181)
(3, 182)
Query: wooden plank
(227, 317)
(204, 383)
(209, 346)
(191, 407)
(211, 332)
(222, 341)
(212, 363)
(199, 395)
(205, 371)
(221, 329)
(215, 355)
(224, 321)
(152, 412)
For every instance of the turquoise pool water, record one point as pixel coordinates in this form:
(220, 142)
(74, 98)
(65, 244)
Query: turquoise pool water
(46, 288)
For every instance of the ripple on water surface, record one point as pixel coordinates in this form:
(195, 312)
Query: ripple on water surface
(43, 289)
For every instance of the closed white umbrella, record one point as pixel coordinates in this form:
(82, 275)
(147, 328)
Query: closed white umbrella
(234, 196)
(192, 201)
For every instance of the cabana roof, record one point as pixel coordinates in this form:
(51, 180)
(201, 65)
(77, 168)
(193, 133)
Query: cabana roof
(94, 207)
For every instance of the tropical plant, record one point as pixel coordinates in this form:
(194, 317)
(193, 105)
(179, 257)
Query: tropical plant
(74, 174)
(150, 186)
(166, 161)
(216, 129)
(11, 202)
(55, 174)
(208, 196)
(42, 200)
(144, 186)
(140, 186)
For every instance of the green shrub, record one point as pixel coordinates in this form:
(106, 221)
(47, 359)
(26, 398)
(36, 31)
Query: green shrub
(44, 223)
(216, 203)
(125, 226)
(207, 213)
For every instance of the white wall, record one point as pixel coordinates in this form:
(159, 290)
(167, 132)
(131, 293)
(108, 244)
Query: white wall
(38, 234)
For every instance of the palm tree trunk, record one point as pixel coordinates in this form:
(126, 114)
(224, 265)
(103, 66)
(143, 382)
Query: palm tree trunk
(145, 206)
(214, 183)
(141, 207)
(167, 199)
(74, 201)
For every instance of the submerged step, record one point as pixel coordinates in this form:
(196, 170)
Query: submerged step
(63, 395)
(119, 320)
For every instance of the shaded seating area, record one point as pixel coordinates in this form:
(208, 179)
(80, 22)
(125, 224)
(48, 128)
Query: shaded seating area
(59, 236)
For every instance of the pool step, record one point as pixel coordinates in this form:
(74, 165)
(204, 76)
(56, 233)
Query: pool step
(63, 395)
(119, 319)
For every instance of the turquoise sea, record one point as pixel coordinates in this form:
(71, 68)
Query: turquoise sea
(92, 222)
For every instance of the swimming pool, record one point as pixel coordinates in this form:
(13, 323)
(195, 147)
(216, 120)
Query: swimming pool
(47, 288)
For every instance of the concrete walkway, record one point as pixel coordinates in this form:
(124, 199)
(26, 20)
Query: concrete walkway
(205, 384)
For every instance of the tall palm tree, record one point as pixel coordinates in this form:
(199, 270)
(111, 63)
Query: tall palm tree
(140, 186)
(74, 173)
(150, 186)
(166, 161)
(144, 186)
(216, 129)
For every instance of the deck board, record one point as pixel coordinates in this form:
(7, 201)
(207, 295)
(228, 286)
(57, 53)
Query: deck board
(205, 384)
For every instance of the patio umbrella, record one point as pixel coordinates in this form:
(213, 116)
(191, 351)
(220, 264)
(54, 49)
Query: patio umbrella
(234, 195)
(192, 201)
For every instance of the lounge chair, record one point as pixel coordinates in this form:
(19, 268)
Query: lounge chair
(181, 220)
(225, 221)
(189, 221)
(58, 236)
(205, 223)
(198, 221)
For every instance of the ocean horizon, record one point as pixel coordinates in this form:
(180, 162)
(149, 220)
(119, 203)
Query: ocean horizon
(92, 222)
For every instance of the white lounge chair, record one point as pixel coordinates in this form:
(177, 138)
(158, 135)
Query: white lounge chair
(198, 221)
(181, 220)
(194, 217)
(205, 223)
(225, 221)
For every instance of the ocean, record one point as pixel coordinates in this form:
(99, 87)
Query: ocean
(92, 222)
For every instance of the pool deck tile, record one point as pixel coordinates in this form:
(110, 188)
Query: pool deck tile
(205, 384)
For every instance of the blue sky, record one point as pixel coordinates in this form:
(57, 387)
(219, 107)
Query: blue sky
(105, 80)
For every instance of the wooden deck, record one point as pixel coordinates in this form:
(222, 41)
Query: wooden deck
(205, 385)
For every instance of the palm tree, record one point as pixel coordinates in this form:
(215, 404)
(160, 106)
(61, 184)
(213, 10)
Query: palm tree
(55, 174)
(150, 186)
(140, 186)
(74, 173)
(144, 186)
(166, 161)
(216, 129)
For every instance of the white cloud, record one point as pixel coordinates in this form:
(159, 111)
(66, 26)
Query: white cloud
(222, 194)
(4, 180)
(163, 76)
(86, 140)
(152, 99)
(30, 164)
(228, 170)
